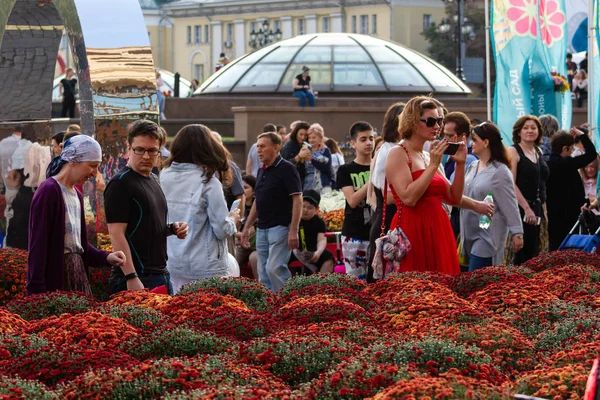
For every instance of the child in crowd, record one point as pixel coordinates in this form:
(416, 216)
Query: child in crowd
(312, 252)
(352, 179)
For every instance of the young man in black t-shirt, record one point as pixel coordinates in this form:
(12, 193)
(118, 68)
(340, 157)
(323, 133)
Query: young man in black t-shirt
(136, 213)
(352, 179)
(312, 251)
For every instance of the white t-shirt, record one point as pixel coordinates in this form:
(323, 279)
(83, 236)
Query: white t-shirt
(72, 220)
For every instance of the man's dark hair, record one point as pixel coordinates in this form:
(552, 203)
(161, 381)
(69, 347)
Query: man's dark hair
(272, 136)
(279, 127)
(358, 127)
(569, 55)
(59, 137)
(269, 128)
(461, 121)
(144, 127)
(222, 55)
(560, 140)
(18, 128)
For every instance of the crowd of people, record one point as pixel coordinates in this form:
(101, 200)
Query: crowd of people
(462, 198)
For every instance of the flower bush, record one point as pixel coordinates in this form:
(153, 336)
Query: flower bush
(448, 386)
(143, 298)
(352, 379)
(341, 280)
(53, 365)
(357, 297)
(503, 297)
(51, 304)
(91, 329)
(254, 294)
(318, 308)
(467, 284)
(16, 345)
(138, 316)
(17, 388)
(294, 358)
(566, 382)
(435, 356)
(152, 379)
(10, 323)
(13, 269)
(174, 341)
(562, 258)
(99, 283)
(223, 315)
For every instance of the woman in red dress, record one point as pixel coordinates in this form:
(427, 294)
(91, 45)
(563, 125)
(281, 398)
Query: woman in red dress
(419, 188)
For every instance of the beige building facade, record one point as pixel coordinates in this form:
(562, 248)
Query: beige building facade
(189, 36)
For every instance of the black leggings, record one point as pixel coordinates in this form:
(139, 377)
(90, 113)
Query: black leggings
(68, 106)
(531, 242)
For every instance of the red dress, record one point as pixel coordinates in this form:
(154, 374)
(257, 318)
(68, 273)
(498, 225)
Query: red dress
(428, 229)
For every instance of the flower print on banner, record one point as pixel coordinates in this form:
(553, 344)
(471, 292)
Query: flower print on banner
(552, 19)
(523, 14)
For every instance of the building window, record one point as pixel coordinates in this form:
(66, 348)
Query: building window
(326, 24)
(197, 34)
(427, 20)
(301, 27)
(230, 32)
(354, 24)
(253, 27)
(277, 25)
(199, 72)
(364, 24)
(374, 24)
(206, 28)
(189, 34)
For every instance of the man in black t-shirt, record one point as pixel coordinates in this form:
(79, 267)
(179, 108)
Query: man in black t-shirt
(136, 213)
(66, 89)
(312, 251)
(352, 179)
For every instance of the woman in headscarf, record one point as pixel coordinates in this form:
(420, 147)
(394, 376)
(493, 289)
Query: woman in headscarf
(59, 253)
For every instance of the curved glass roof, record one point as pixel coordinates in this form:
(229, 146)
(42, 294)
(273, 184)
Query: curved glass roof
(338, 62)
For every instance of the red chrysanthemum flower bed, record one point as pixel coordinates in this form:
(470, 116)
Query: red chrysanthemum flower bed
(318, 308)
(11, 323)
(467, 284)
(360, 298)
(223, 315)
(561, 258)
(91, 329)
(503, 297)
(53, 365)
(563, 383)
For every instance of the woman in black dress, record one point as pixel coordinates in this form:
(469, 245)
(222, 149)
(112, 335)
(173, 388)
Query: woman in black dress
(530, 173)
(303, 88)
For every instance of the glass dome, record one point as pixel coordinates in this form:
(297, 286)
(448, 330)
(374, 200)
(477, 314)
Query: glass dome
(338, 62)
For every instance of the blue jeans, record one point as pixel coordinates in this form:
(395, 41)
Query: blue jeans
(476, 262)
(303, 96)
(118, 283)
(273, 256)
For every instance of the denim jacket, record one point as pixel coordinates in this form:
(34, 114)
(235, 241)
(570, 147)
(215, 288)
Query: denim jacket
(203, 253)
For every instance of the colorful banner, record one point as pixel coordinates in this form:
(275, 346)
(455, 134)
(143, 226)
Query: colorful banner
(514, 35)
(577, 22)
(593, 100)
(553, 49)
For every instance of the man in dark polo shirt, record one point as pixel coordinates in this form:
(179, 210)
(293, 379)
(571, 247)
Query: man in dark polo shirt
(278, 206)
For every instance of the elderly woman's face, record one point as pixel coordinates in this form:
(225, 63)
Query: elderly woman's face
(315, 139)
(85, 170)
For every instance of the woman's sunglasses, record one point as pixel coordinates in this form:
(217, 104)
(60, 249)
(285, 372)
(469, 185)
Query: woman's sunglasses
(431, 121)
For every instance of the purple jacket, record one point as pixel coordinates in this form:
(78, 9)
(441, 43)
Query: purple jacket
(47, 240)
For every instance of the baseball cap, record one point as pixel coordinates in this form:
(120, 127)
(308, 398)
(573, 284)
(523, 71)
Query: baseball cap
(312, 196)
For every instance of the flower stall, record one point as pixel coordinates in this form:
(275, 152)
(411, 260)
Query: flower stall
(331, 209)
(532, 330)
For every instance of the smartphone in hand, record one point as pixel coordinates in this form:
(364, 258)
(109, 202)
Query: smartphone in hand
(452, 148)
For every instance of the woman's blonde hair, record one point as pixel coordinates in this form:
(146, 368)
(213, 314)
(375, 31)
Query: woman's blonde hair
(412, 113)
(316, 128)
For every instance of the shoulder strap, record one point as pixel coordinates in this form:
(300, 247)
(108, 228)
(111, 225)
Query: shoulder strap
(519, 149)
(385, 189)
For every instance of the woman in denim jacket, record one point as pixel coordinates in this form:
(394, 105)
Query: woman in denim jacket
(194, 194)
